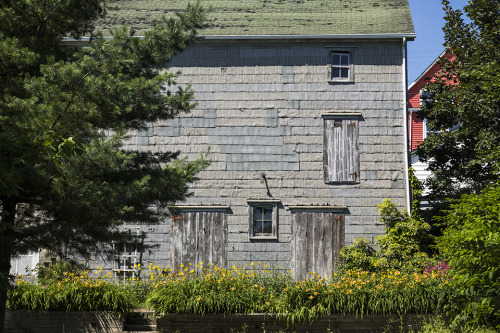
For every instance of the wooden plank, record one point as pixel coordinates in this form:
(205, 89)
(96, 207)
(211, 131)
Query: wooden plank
(300, 244)
(200, 237)
(340, 237)
(326, 150)
(329, 241)
(308, 223)
(223, 257)
(176, 240)
(319, 244)
(217, 245)
(352, 154)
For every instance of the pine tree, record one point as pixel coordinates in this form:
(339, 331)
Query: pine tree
(65, 113)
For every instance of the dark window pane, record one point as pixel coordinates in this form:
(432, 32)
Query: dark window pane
(268, 227)
(344, 59)
(344, 72)
(336, 59)
(257, 227)
(257, 214)
(268, 213)
(335, 72)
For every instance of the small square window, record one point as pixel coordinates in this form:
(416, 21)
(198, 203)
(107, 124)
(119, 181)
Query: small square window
(263, 219)
(340, 67)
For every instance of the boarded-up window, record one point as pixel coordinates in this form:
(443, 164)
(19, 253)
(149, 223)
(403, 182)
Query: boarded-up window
(317, 237)
(340, 149)
(199, 236)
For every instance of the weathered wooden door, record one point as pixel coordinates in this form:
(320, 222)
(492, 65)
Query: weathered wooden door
(317, 237)
(199, 236)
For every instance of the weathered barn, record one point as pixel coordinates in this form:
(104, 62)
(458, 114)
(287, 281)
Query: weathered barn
(303, 104)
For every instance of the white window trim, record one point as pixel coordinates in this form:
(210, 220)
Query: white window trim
(351, 52)
(263, 203)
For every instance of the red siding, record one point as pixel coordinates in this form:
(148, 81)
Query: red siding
(416, 124)
(417, 131)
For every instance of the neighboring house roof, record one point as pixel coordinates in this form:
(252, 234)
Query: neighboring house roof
(424, 78)
(272, 17)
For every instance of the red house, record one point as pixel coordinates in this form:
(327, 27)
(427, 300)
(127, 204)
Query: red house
(417, 128)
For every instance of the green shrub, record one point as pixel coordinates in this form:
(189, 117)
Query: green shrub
(58, 271)
(471, 244)
(401, 247)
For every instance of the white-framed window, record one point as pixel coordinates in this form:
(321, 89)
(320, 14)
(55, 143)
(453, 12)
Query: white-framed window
(340, 147)
(263, 219)
(340, 64)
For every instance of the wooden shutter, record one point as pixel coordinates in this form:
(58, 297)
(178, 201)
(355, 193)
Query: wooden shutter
(340, 150)
(199, 236)
(317, 238)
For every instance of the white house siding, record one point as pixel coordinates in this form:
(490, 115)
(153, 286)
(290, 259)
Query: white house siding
(260, 111)
(24, 264)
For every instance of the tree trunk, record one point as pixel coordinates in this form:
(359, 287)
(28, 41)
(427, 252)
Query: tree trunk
(6, 241)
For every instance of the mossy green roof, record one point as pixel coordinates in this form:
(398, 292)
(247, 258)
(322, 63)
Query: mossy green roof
(272, 17)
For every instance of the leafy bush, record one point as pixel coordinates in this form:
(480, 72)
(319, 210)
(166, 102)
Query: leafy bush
(400, 247)
(57, 271)
(471, 244)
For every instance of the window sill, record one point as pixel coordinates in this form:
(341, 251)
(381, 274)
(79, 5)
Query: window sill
(341, 81)
(263, 238)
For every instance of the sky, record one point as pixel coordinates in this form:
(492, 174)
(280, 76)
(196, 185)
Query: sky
(428, 21)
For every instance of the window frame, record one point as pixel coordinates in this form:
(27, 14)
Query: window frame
(351, 153)
(256, 204)
(350, 52)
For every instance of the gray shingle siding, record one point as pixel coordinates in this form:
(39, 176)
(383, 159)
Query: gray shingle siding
(263, 113)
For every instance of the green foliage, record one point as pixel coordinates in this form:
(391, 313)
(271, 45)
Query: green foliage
(138, 291)
(198, 290)
(352, 292)
(438, 325)
(66, 178)
(72, 293)
(466, 92)
(65, 113)
(54, 272)
(403, 238)
(417, 189)
(402, 245)
(471, 245)
(359, 255)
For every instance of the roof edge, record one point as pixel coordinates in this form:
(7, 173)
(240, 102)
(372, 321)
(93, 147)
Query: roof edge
(337, 36)
(426, 70)
(408, 36)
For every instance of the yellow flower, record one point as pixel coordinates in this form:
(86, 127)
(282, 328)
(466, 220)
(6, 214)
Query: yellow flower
(251, 263)
(311, 297)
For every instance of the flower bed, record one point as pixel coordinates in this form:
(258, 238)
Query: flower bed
(194, 290)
